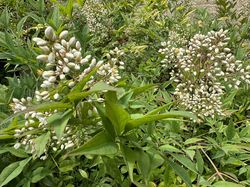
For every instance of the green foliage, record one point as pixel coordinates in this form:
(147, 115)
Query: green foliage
(130, 132)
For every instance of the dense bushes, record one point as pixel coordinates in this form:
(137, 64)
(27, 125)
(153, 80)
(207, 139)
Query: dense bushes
(124, 93)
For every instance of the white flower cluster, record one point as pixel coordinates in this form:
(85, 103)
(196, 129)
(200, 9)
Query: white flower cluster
(170, 48)
(64, 66)
(110, 70)
(97, 18)
(203, 70)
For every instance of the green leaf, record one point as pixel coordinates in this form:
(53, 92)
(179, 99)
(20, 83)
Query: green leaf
(227, 184)
(67, 165)
(100, 144)
(17, 152)
(83, 173)
(200, 162)
(130, 157)
(186, 162)
(192, 140)
(141, 89)
(49, 106)
(144, 164)
(115, 112)
(79, 86)
(20, 24)
(151, 118)
(100, 86)
(180, 171)
(38, 174)
(40, 143)
(58, 122)
(170, 148)
(12, 171)
(230, 131)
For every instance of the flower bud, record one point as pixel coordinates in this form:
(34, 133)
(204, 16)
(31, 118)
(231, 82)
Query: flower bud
(49, 33)
(43, 58)
(63, 34)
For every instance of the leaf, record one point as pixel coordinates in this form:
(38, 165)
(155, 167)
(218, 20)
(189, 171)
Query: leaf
(100, 86)
(100, 144)
(192, 140)
(130, 157)
(21, 23)
(12, 171)
(38, 174)
(170, 148)
(180, 171)
(40, 143)
(141, 89)
(115, 112)
(17, 152)
(83, 173)
(186, 162)
(144, 164)
(151, 118)
(67, 165)
(79, 86)
(58, 122)
(227, 184)
(230, 131)
(49, 106)
(200, 162)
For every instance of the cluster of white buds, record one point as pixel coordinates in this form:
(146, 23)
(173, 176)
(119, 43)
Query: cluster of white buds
(97, 18)
(67, 141)
(203, 70)
(64, 65)
(110, 70)
(170, 48)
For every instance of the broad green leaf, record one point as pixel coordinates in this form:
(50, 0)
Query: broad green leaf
(58, 122)
(17, 152)
(180, 171)
(38, 174)
(226, 184)
(12, 171)
(186, 162)
(151, 118)
(105, 121)
(170, 148)
(67, 165)
(100, 144)
(40, 143)
(115, 112)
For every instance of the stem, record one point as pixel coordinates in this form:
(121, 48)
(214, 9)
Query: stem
(215, 168)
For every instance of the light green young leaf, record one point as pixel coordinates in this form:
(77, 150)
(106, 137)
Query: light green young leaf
(170, 148)
(100, 144)
(12, 171)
